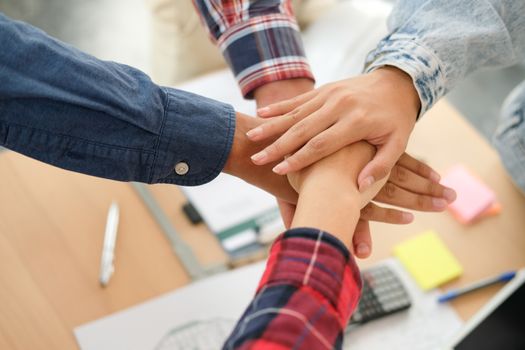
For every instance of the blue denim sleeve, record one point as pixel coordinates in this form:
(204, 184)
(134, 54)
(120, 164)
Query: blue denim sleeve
(101, 118)
(439, 42)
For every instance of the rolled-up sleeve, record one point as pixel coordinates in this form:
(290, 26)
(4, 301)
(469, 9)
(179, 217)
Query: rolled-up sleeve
(309, 290)
(72, 110)
(439, 42)
(259, 39)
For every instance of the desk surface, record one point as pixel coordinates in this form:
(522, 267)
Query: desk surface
(52, 224)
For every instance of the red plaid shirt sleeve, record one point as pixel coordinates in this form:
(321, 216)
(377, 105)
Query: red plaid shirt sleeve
(305, 298)
(260, 40)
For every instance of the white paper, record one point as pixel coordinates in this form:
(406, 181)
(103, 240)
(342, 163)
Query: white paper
(240, 239)
(206, 308)
(228, 201)
(145, 327)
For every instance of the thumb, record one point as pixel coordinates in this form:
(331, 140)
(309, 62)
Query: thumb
(380, 166)
(362, 241)
(287, 212)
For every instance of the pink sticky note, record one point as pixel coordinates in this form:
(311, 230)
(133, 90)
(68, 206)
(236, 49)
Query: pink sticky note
(473, 196)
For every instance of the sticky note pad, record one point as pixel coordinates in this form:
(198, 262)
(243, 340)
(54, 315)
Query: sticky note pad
(428, 260)
(473, 196)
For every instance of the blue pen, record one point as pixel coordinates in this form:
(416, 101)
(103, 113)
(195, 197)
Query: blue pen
(453, 294)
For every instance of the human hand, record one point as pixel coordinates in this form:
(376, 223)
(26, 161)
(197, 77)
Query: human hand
(238, 163)
(272, 93)
(328, 195)
(411, 185)
(334, 170)
(379, 107)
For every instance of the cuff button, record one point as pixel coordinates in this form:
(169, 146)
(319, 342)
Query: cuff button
(181, 168)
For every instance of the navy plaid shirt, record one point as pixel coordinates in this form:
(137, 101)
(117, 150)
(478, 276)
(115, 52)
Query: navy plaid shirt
(259, 39)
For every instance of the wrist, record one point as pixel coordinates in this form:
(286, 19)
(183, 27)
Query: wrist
(401, 82)
(240, 165)
(242, 148)
(281, 90)
(327, 210)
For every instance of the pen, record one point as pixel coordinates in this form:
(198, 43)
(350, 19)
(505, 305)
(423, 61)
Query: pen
(453, 294)
(108, 249)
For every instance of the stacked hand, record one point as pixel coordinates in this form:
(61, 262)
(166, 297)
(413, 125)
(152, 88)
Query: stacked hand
(379, 107)
(411, 185)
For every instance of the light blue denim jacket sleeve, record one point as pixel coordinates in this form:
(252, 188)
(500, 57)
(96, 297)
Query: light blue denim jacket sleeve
(69, 109)
(439, 42)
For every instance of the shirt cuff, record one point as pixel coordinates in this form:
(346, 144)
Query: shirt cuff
(423, 66)
(195, 139)
(311, 258)
(264, 49)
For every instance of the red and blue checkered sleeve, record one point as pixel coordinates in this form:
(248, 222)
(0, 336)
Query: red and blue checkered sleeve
(305, 298)
(259, 39)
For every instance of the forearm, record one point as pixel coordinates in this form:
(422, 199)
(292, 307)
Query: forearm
(439, 42)
(329, 197)
(311, 284)
(69, 109)
(240, 165)
(309, 289)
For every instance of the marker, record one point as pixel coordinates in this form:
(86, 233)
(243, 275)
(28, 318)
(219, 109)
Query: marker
(453, 294)
(108, 249)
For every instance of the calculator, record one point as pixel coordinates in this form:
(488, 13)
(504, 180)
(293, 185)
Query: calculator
(383, 294)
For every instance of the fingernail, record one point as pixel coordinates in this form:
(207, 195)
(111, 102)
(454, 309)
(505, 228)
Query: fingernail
(263, 110)
(449, 194)
(434, 176)
(439, 203)
(254, 133)
(281, 168)
(408, 217)
(363, 249)
(259, 157)
(366, 183)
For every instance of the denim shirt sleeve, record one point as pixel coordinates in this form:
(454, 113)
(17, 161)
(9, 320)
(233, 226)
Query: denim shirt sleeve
(439, 42)
(101, 118)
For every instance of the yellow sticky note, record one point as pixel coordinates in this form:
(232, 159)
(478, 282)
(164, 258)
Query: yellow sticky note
(428, 260)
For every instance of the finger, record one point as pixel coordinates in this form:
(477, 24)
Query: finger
(415, 183)
(294, 138)
(418, 167)
(382, 163)
(362, 240)
(285, 106)
(320, 146)
(395, 195)
(287, 211)
(279, 125)
(373, 212)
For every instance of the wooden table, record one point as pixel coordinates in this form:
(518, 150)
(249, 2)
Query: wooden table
(52, 224)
